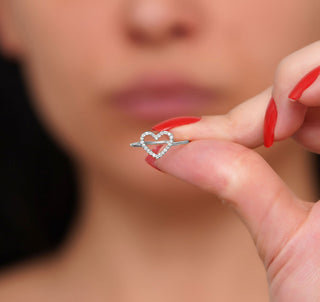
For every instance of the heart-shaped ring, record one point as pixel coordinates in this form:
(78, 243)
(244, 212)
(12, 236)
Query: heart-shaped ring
(169, 143)
(156, 137)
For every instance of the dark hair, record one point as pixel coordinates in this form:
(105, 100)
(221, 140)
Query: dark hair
(37, 181)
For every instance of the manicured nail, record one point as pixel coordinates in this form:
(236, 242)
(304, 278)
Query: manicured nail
(270, 121)
(165, 126)
(175, 122)
(151, 160)
(304, 83)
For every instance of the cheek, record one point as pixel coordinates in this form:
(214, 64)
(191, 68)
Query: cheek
(269, 30)
(67, 44)
(251, 37)
(67, 40)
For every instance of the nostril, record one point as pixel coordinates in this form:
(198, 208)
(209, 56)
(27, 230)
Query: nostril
(137, 36)
(179, 31)
(157, 23)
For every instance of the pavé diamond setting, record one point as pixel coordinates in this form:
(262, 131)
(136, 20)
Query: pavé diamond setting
(169, 143)
(156, 137)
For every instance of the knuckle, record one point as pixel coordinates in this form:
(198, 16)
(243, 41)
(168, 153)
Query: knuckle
(295, 62)
(287, 66)
(239, 171)
(231, 124)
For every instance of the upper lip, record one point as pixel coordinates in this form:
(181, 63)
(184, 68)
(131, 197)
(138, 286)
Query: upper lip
(161, 85)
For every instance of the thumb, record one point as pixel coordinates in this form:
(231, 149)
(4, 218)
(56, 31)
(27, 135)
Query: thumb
(243, 179)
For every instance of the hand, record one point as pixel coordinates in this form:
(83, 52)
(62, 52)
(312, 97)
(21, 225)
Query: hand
(285, 229)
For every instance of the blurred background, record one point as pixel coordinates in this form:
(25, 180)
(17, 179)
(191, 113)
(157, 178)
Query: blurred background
(38, 190)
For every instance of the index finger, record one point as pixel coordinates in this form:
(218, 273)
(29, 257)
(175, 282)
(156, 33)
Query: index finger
(244, 124)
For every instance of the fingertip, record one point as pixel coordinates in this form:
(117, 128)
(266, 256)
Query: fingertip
(150, 160)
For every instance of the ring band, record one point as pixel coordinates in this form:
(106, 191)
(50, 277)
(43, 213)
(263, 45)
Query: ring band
(169, 143)
(138, 144)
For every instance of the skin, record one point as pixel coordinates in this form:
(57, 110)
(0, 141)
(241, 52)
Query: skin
(283, 226)
(75, 54)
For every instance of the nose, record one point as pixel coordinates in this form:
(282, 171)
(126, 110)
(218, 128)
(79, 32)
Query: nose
(160, 21)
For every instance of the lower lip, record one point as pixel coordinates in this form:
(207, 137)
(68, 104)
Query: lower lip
(156, 108)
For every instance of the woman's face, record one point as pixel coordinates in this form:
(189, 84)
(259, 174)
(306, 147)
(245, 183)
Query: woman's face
(80, 56)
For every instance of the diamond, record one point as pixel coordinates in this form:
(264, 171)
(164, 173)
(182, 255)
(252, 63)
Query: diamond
(156, 137)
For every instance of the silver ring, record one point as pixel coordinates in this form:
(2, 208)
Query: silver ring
(169, 143)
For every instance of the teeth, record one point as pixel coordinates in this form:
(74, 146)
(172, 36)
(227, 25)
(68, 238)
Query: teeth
(156, 137)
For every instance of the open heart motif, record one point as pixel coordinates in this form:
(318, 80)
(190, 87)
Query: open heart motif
(156, 137)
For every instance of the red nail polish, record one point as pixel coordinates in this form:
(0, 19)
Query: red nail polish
(175, 122)
(151, 160)
(270, 121)
(304, 83)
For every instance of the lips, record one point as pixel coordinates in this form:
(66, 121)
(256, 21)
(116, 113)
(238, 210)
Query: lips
(155, 97)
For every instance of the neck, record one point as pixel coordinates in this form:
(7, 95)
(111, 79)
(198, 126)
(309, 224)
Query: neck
(132, 243)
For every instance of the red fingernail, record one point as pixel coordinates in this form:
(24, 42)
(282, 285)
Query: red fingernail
(151, 160)
(175, 122)
(304, 83)
(270, 121)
